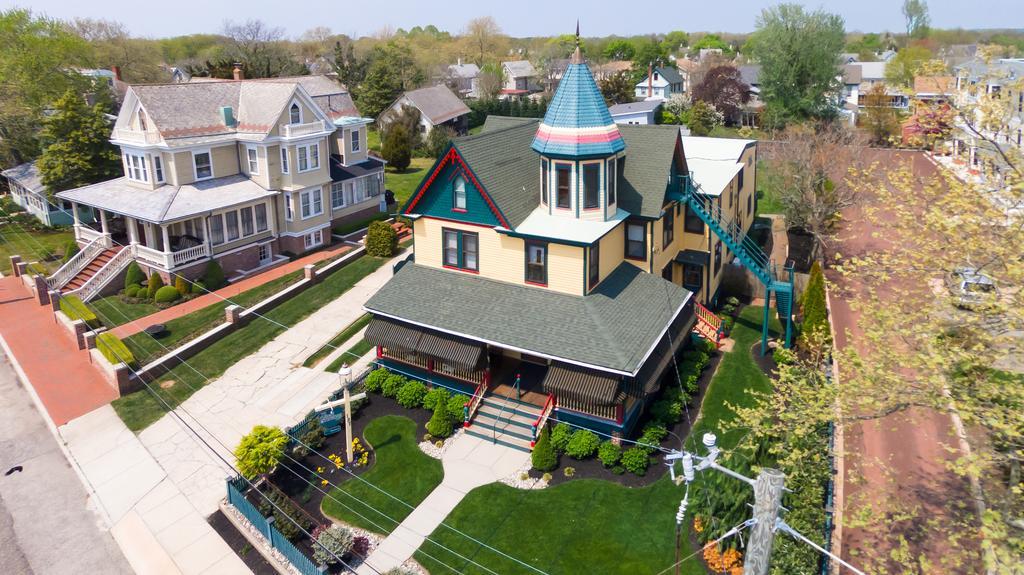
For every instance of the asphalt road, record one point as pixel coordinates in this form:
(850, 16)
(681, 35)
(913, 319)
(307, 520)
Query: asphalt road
(46, 526)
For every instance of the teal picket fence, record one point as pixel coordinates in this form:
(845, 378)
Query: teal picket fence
(236, 497)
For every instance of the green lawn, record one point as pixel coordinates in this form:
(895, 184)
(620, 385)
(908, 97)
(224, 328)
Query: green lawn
(350, 355)
(140, 409)
(768, 183)
(404, 183)
(592, 526)
(345, 335)
(185, 328)
(32, 246)
(401, 469)
(113, 312)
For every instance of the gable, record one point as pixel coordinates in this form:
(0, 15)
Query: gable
(435, 197)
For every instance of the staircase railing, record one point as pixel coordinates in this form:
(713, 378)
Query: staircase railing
(708, 324)
(504, 404)
(76, 264)
(542, 419)
(470, 407)
(102, 277)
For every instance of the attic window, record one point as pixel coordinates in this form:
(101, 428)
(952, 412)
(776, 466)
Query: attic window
(142, 120)
(459, 194)
(294, 114)
(655, 76)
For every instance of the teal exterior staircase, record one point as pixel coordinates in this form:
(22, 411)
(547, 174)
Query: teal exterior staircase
(747, 252)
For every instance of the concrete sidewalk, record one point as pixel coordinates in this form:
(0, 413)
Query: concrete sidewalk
(468, 463)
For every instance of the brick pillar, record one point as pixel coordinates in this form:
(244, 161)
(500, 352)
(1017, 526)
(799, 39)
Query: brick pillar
(54, 299)
(616, 438)
(21, 268)
(15, 260)
(90, 340)
(81, 328)
(309, 272)
(42, 289)
(123, 379)
(232, 314)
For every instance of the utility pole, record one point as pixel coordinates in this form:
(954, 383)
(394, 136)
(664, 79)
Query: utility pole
(768, 489)
(345, 372)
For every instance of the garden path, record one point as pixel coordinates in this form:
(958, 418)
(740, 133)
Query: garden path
(468, 463)
(269, 387)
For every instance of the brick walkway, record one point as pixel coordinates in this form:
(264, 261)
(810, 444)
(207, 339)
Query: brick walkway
(163, 316)
(68, 385)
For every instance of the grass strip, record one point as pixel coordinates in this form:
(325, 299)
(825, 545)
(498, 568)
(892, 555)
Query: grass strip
(337, 340)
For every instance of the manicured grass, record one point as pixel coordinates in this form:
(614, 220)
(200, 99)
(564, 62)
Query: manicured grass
(350, 355)
(373, 140)
(734, 132)
(400, 469)
(358, 225)
(113, 312)
(140, 409)
(32, 246)
(182, 329)
(768, 183)
(591, 526)
(404, 183)
(345, 335)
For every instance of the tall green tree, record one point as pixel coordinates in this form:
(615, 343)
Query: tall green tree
(78, 151)
(396, 148)
(619, 49)
(392, 71)
(799, 54)
(350, 67)
(617, 89)
(649, 52)
(907, 63)
(675, 40)
(915, 12)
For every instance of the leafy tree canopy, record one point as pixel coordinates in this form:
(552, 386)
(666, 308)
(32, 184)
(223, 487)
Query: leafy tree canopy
(78, 151)
(619, 49)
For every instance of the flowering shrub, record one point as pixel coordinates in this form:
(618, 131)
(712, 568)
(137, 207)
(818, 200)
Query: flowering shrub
(729, 561)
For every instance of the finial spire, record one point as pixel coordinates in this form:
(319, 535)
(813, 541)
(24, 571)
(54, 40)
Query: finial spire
(577, 55)
(577, 32)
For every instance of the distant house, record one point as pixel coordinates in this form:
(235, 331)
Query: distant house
(935, 89)
(609, 69)
(438, 106)
(873, 74)
(848, 58)
(635, 113)
(520, 78)
(661, 83)
(464, 79)
(27, 190)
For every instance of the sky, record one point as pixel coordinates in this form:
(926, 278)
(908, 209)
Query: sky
(516, 17)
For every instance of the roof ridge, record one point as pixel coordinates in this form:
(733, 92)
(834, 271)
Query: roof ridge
(170, 202)
(474, 137)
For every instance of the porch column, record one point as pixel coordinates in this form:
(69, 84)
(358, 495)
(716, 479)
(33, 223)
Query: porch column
(103, 221)
(148, 230)
(168, 258)
(74, 213)
(133, 229)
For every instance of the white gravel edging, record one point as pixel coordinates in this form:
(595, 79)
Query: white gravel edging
(515, 479)
(436, 452)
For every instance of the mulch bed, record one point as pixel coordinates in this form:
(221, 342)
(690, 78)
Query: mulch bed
(593, 469)
(800, 246)
(240, 545)
(766, 362)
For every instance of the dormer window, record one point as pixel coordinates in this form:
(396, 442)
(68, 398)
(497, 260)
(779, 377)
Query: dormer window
(459, 194)
(142, 120)
(294, 114)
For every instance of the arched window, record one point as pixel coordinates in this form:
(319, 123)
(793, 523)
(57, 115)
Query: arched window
(459, 194)
(295, 114)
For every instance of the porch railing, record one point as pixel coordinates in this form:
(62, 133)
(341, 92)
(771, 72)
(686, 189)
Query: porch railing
(87, 234)
(297, 130)
(143, 137)
(190, 254)
(542, 419)
(469, 409)
(94, 284)
(76, 264)
(170, 260)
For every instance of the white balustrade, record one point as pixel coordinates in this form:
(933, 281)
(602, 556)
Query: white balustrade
(89, 235)
(76, 264)
(297, 130)
(109, 271)
(153, 257)
(140, 136)
(190, 254)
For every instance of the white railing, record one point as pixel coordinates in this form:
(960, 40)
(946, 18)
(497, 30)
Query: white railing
(153, 257)
(140, 136)
(109, 271)
(297, 130)
(190, 254)
(89, 235)
(70, 269)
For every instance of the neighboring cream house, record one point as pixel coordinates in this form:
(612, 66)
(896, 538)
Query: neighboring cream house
(438, 106)
(242, 171)
(661, 83)
(27, 190)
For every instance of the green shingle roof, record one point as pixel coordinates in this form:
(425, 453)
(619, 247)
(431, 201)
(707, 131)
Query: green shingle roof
(644, 179)
(612, 328)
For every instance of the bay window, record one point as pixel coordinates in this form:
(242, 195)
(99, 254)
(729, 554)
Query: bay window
(135, 167)
(544, 182)
(309, 157)
(284, 160)
(288, 206)
(355, 140)
(158, 169)
(311, 203)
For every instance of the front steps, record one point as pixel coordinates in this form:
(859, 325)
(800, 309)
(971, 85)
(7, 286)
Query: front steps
(90, 270)
(507, 422)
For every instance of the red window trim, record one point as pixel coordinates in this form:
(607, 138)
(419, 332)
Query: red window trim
(535, 283)
(458, 269)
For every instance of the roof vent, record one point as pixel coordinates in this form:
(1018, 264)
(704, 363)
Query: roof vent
(228, 114)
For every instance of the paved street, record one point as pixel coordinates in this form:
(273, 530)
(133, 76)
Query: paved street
(47, 523)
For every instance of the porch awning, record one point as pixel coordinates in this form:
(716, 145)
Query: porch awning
(693, 257)
(460, 352)
(581, 384)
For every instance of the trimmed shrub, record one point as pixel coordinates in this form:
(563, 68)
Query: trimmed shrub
(314, 436)
(155, 283)
(609, 453)
(181, 285)
(360, 546)
(440, 424)
(166, 294)
(198, 287)
(457, 406)
(260, 451)
(70, 250)
(582, 445)
(381, 240)
(333, 543)
(560, 436)
(569, 471)
(374, 380)
(392, 383)
(132, 290)
(114, 349)
(435, 396)
(636, 460)
(75, 309)
(814, 305)
(213, 277)
(411, 394)
(652, 435)
(667, 410)
(543, 456)
(134, 275)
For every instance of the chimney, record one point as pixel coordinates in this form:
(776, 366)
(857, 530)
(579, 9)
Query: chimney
(117, 72)
(460, 61)
(237, 72)
(650, 79)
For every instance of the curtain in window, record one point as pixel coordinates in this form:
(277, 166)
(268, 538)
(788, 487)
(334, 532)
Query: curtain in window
(451, 249)
(247, 223)
(216, 230)
(469, 251)
(536, 256)
(231, 221)
(261, 217)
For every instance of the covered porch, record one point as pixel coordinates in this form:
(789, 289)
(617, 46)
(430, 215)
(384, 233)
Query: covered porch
(166, 246)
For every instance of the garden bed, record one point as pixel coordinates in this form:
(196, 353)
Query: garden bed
(240, 545)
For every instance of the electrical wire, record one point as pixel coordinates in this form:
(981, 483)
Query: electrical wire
(739, 527)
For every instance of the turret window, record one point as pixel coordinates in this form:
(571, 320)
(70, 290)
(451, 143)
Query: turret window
(610, 176)
(563, 200)
(591, 186)
(459, 194)
(544, 182)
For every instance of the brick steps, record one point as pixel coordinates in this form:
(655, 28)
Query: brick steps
(90, 270)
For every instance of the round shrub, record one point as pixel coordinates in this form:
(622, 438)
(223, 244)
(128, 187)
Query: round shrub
(392, 383)
(411, 394)
(181, 285)
(132, 290)
(667, 411)
(636, 460)
(435, 396)
(260, 450)
(134, 275)
(213, 278)
(333, 543)
(198, 287)
(381, 239)
(582, 444)
(166, 294)
(569, 471)
(652, 435)
(440, 424)
(155, 283)
(609, 453)
(456, 406)
(374, 380)
(560, 436)
(543, 457)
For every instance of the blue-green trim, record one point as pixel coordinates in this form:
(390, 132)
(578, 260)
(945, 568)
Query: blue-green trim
(542, 239)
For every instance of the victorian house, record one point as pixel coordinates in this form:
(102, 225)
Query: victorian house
(557, 265)
(245, 172)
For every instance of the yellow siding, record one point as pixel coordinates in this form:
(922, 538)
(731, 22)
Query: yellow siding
(273, 163)
(183, 172)
(308, 116)
(297, 180)
(613, 249)
(501, 257)
(225, 161)
(263, 176)
(298, 224)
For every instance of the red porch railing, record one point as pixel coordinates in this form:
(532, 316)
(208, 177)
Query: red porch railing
(708, 325)
(542, 419)
(470, 407)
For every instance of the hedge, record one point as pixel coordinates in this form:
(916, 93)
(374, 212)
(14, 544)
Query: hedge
(166, 294)
(114, 349)
(75, 309)
(381, 240)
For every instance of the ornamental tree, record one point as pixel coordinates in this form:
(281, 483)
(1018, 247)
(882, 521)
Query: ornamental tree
(77, 149)
(724, 88)
(260, 451)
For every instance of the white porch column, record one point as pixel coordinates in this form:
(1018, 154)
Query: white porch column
(133, 229)
(150, 236)
(167, 239)
(103, 221)
(74, 213)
